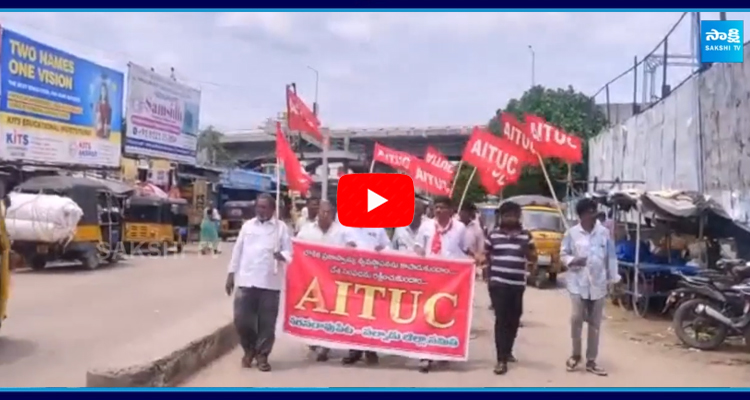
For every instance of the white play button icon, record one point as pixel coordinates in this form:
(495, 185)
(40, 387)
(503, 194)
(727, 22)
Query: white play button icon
(374, 200)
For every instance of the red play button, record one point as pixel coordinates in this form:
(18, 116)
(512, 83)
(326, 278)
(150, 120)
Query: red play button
(375, 200)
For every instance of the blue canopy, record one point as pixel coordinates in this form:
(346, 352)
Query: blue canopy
(247, 180)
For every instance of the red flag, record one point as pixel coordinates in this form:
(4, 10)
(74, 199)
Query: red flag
(490, 184)
(494, 157)
(296, 177)
(399, 160)
(440, 163)
(553, 142)
(427, 178)
(300, 118)
(516, 132)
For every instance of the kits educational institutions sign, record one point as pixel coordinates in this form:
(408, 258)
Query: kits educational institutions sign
(56, 108)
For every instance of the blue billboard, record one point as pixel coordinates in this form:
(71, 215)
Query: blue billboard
(56, 108)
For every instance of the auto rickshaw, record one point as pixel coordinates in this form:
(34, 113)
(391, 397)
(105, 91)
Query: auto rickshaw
(154, 223)
(233, 215)
(541, 217)
(98, 234)
(4, 262)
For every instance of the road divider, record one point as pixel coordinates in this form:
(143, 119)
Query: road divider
(172, 356)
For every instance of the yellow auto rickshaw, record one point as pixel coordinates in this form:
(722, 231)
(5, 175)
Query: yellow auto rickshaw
(541, 217)
(155, 224)
(97, 236)
(4, 263)
(233, 215)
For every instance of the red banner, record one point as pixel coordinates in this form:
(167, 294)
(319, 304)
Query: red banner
(300, 118)
(440, 162)
(399, 160)
(426, 177)
(553, 142)
(495, 158)
(387, 302)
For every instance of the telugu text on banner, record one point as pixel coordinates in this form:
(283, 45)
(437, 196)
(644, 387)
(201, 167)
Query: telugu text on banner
(345, 298)
(162, 117)
(56, 108)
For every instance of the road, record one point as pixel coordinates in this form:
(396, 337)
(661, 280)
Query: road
(542, 348)
(63, 321)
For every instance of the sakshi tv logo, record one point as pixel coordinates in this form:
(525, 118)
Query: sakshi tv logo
(722, 41)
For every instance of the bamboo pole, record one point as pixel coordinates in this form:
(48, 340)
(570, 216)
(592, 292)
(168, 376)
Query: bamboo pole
(466, 188)
(552, 191)
(455, 176)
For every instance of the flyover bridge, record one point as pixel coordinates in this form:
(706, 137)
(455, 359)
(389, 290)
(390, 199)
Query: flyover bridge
(352, 146)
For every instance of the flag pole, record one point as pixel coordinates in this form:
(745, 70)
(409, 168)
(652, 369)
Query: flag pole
(466, 188)
(552, 191)
(455, 176)
(372, 164)
(278, 213)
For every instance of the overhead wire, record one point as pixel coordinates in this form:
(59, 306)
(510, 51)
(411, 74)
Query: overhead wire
(643, 59)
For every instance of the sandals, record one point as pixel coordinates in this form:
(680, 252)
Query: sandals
(572, 363)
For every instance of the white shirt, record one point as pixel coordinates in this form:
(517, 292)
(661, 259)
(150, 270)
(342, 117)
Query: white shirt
(253, 263)
(474, 237)
(405, 239)
(368, 238)
(304, 221)
(334, 236)
(453, 242)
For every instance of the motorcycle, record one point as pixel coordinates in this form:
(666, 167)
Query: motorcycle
(727, 273)
(715, 312)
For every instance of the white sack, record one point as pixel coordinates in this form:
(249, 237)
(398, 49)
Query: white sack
(42, 217)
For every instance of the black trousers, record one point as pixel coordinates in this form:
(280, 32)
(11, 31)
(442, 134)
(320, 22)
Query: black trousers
(507, 302)
(255, 313)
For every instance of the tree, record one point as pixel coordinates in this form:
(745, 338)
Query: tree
(209, 144)
(572, 111)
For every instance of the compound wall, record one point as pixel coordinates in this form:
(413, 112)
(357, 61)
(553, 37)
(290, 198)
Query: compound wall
(698, 138)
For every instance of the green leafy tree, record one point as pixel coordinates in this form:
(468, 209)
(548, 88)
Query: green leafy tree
(209, 143)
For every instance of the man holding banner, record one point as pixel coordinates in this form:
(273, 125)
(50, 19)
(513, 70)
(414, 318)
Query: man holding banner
(369, 239)
(443, 237)
(323, 230)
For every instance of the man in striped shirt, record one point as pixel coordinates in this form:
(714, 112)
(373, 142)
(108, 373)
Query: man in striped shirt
(508, 248)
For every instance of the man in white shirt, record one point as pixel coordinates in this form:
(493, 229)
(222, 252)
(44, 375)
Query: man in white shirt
(262, 248)
(312, 207)
(405, 238)
(370, 239)
(324, 231)
(444, 237)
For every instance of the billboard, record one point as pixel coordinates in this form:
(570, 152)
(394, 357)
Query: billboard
(162, 117)
(56, 108)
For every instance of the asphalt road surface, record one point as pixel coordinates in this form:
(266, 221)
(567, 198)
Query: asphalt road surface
(542, 348)
(63, 321)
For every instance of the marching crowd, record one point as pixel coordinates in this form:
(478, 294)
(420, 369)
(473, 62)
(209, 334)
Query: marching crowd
(264, 245)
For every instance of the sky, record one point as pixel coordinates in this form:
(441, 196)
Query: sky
(375, 69)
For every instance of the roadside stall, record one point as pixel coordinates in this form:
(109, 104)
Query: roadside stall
(656, 235)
